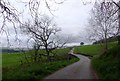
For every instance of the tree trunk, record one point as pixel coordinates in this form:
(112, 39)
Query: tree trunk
(36, 53)
(106, 46)
(48, 54)
(119, 26)
(119, 40)
(35, 56)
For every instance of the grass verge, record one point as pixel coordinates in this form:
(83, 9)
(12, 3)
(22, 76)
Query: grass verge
(35, 72)
(107, 65)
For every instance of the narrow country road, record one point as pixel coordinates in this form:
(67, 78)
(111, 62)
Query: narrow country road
(78, 70)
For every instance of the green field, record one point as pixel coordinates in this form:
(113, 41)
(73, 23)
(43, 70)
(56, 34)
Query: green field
(92, 50)
(88, 49)
(13, 59)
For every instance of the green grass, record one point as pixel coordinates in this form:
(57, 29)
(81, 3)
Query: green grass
(107, 66)
(89, 49)
(35, 72)
(92, 50)
(13, 59)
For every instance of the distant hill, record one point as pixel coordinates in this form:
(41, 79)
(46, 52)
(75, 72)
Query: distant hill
(10, 50)
(110, 39)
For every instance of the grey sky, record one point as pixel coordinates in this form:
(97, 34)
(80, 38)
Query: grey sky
(71, 17)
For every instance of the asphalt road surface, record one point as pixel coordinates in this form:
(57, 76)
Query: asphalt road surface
(79, 70)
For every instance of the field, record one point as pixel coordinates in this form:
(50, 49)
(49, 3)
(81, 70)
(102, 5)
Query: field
(88, 49)
(92, 50)
(13, 59)
(12, 70)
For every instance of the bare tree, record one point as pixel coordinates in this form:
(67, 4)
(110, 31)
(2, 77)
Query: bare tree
(44, 30)
(101, 25)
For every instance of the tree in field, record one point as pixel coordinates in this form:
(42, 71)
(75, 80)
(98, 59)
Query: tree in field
(44, 31)
(10, 14)
(82, 43)
(102, 23)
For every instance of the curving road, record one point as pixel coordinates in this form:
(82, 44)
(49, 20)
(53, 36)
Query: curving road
(78, 70)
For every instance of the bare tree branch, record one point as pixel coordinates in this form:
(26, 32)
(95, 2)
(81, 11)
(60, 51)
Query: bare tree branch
(10, 14)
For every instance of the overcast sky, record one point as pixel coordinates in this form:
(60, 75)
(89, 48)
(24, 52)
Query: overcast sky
(71, 17)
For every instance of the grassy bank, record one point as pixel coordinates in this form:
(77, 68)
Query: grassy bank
(106, 65)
